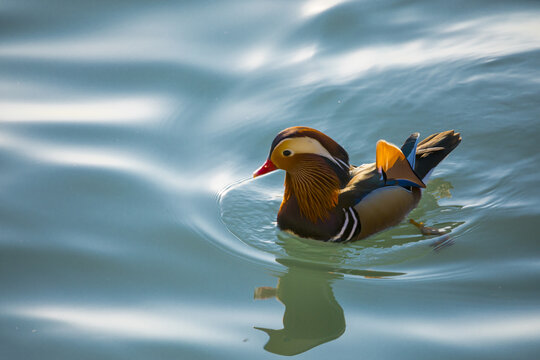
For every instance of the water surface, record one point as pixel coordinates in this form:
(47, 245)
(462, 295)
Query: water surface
(129, 227)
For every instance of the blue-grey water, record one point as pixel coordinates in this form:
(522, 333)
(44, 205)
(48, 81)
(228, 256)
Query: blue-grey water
(130, 227)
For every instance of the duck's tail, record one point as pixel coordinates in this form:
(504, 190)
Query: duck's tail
(432, 150)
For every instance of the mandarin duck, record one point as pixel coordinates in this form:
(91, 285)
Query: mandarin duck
(328, 199)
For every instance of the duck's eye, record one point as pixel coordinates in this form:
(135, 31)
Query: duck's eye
(287, 152)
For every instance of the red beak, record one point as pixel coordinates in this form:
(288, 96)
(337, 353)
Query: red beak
(267, 167)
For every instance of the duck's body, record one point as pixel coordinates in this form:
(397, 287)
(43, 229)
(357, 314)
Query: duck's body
(327, 199)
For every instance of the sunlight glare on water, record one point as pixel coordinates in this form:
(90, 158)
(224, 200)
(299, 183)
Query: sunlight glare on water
(131, 226)
(315, 7)
(106, 111)
(479, 39)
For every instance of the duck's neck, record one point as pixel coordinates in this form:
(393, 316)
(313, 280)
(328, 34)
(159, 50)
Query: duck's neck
(315, 186)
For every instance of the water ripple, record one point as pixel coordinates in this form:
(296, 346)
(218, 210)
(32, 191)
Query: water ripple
(248, 210)
(467, 331)
(113, 159)
(108, 111)
(178, 323)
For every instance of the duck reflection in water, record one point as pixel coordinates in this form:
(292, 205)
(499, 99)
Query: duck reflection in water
(312, 314)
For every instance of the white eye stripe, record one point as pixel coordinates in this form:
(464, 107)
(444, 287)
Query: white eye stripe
(309, 145)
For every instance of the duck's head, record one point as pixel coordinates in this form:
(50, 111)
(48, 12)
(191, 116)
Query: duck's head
(293, 146)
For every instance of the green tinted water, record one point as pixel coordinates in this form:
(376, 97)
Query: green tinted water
(129, 227)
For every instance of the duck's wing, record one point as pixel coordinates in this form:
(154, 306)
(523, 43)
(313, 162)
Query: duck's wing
(396, 169)
(364, 179)
(409, 148)
(433, 149)
(376, 204)
(394, 166)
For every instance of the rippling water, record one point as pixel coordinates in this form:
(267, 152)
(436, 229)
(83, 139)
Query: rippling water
(130, 228)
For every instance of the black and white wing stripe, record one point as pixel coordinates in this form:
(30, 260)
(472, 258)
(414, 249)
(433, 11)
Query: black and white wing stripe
(350, 228)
